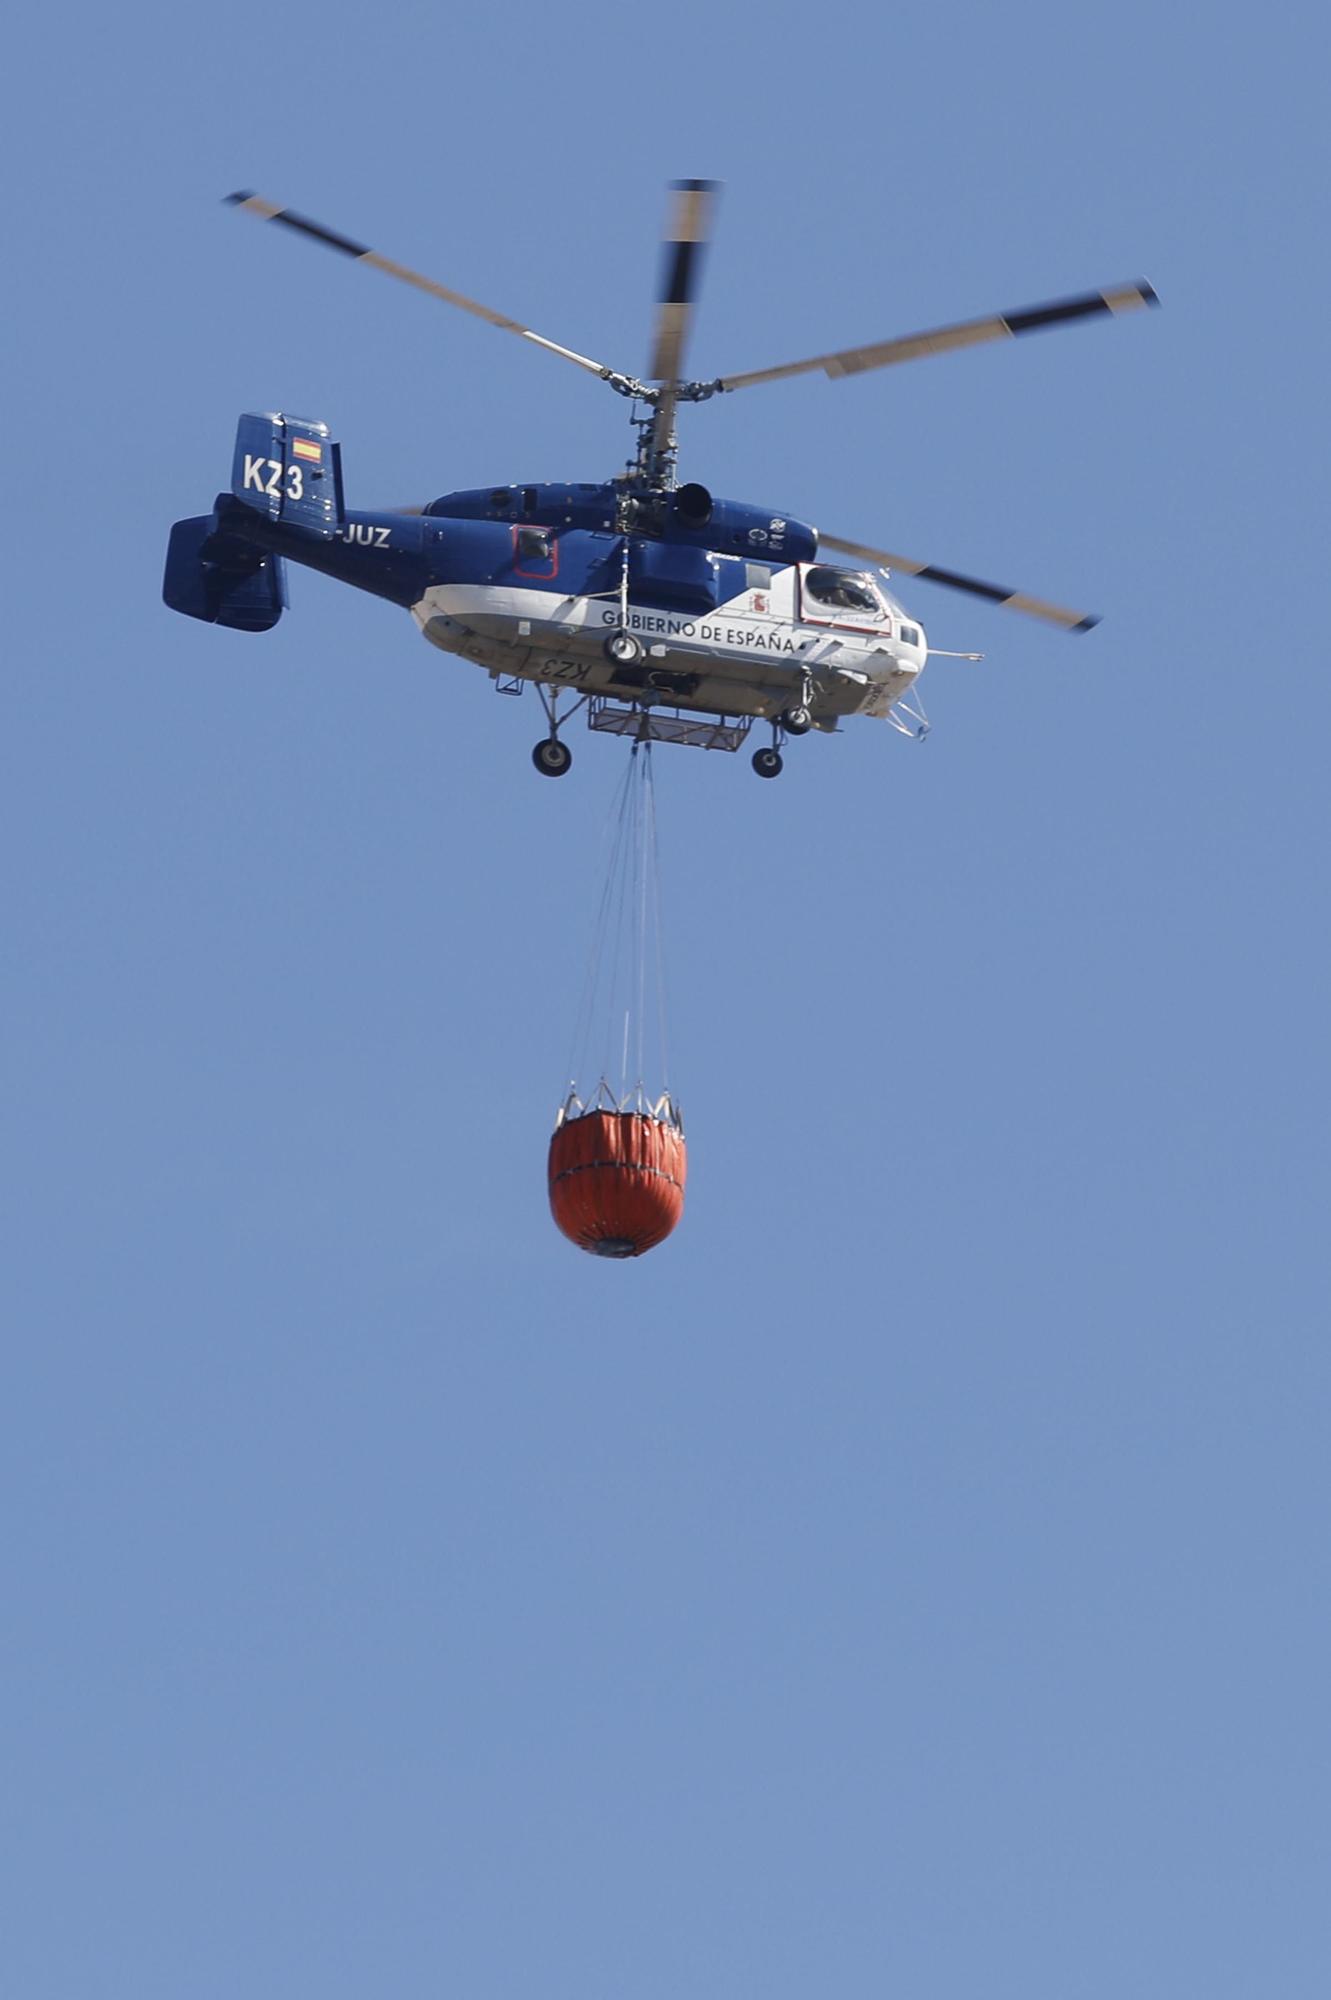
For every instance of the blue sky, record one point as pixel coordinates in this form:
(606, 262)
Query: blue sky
(912, 1577)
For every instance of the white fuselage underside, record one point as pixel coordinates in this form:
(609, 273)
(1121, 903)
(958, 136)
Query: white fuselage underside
(736, 660)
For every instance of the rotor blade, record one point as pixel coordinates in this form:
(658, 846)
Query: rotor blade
(256, 205)
(994, 593)
(966, 333)
(687, 232)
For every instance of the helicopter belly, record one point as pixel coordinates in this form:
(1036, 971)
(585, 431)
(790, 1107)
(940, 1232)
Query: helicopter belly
(721, 662)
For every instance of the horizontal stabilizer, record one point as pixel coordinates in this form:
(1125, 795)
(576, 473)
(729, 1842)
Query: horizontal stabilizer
(223, 581)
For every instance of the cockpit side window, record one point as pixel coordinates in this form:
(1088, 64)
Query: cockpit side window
(842, 590)
(842, 597)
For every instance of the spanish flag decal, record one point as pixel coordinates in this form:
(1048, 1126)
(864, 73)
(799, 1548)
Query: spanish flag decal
(305, 448)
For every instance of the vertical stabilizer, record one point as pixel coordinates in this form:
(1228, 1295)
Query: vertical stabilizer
(289, 470)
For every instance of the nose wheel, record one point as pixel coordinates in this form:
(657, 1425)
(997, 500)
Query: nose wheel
(797, 720)
(551, 757)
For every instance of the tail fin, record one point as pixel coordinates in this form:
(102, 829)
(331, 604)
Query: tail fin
(289, 470)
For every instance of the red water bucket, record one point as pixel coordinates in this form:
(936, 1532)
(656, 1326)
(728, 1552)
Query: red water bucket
(617, 1180)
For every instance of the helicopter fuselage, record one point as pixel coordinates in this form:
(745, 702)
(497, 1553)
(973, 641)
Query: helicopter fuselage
(709, 606)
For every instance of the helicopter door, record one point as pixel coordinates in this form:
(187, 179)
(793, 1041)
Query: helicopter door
(847, 599)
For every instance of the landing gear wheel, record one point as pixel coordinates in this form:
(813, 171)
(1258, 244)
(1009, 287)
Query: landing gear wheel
(622, 648)
(767, 763)
(551, 757)
(797, 721)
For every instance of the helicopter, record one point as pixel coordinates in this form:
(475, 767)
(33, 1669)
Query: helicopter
(661, 611)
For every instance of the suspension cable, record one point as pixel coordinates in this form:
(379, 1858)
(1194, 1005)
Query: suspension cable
(622, 1011)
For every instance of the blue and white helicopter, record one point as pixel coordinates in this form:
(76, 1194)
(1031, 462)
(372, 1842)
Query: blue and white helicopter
(661, 611)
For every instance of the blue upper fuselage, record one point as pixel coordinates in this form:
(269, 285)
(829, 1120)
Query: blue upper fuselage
(559, 538)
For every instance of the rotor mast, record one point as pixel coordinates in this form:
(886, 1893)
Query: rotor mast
(653, 465)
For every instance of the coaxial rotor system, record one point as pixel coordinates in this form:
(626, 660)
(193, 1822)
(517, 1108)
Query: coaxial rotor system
(651, 475)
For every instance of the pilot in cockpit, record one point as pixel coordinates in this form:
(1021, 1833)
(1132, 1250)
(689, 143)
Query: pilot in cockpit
(842, 590)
